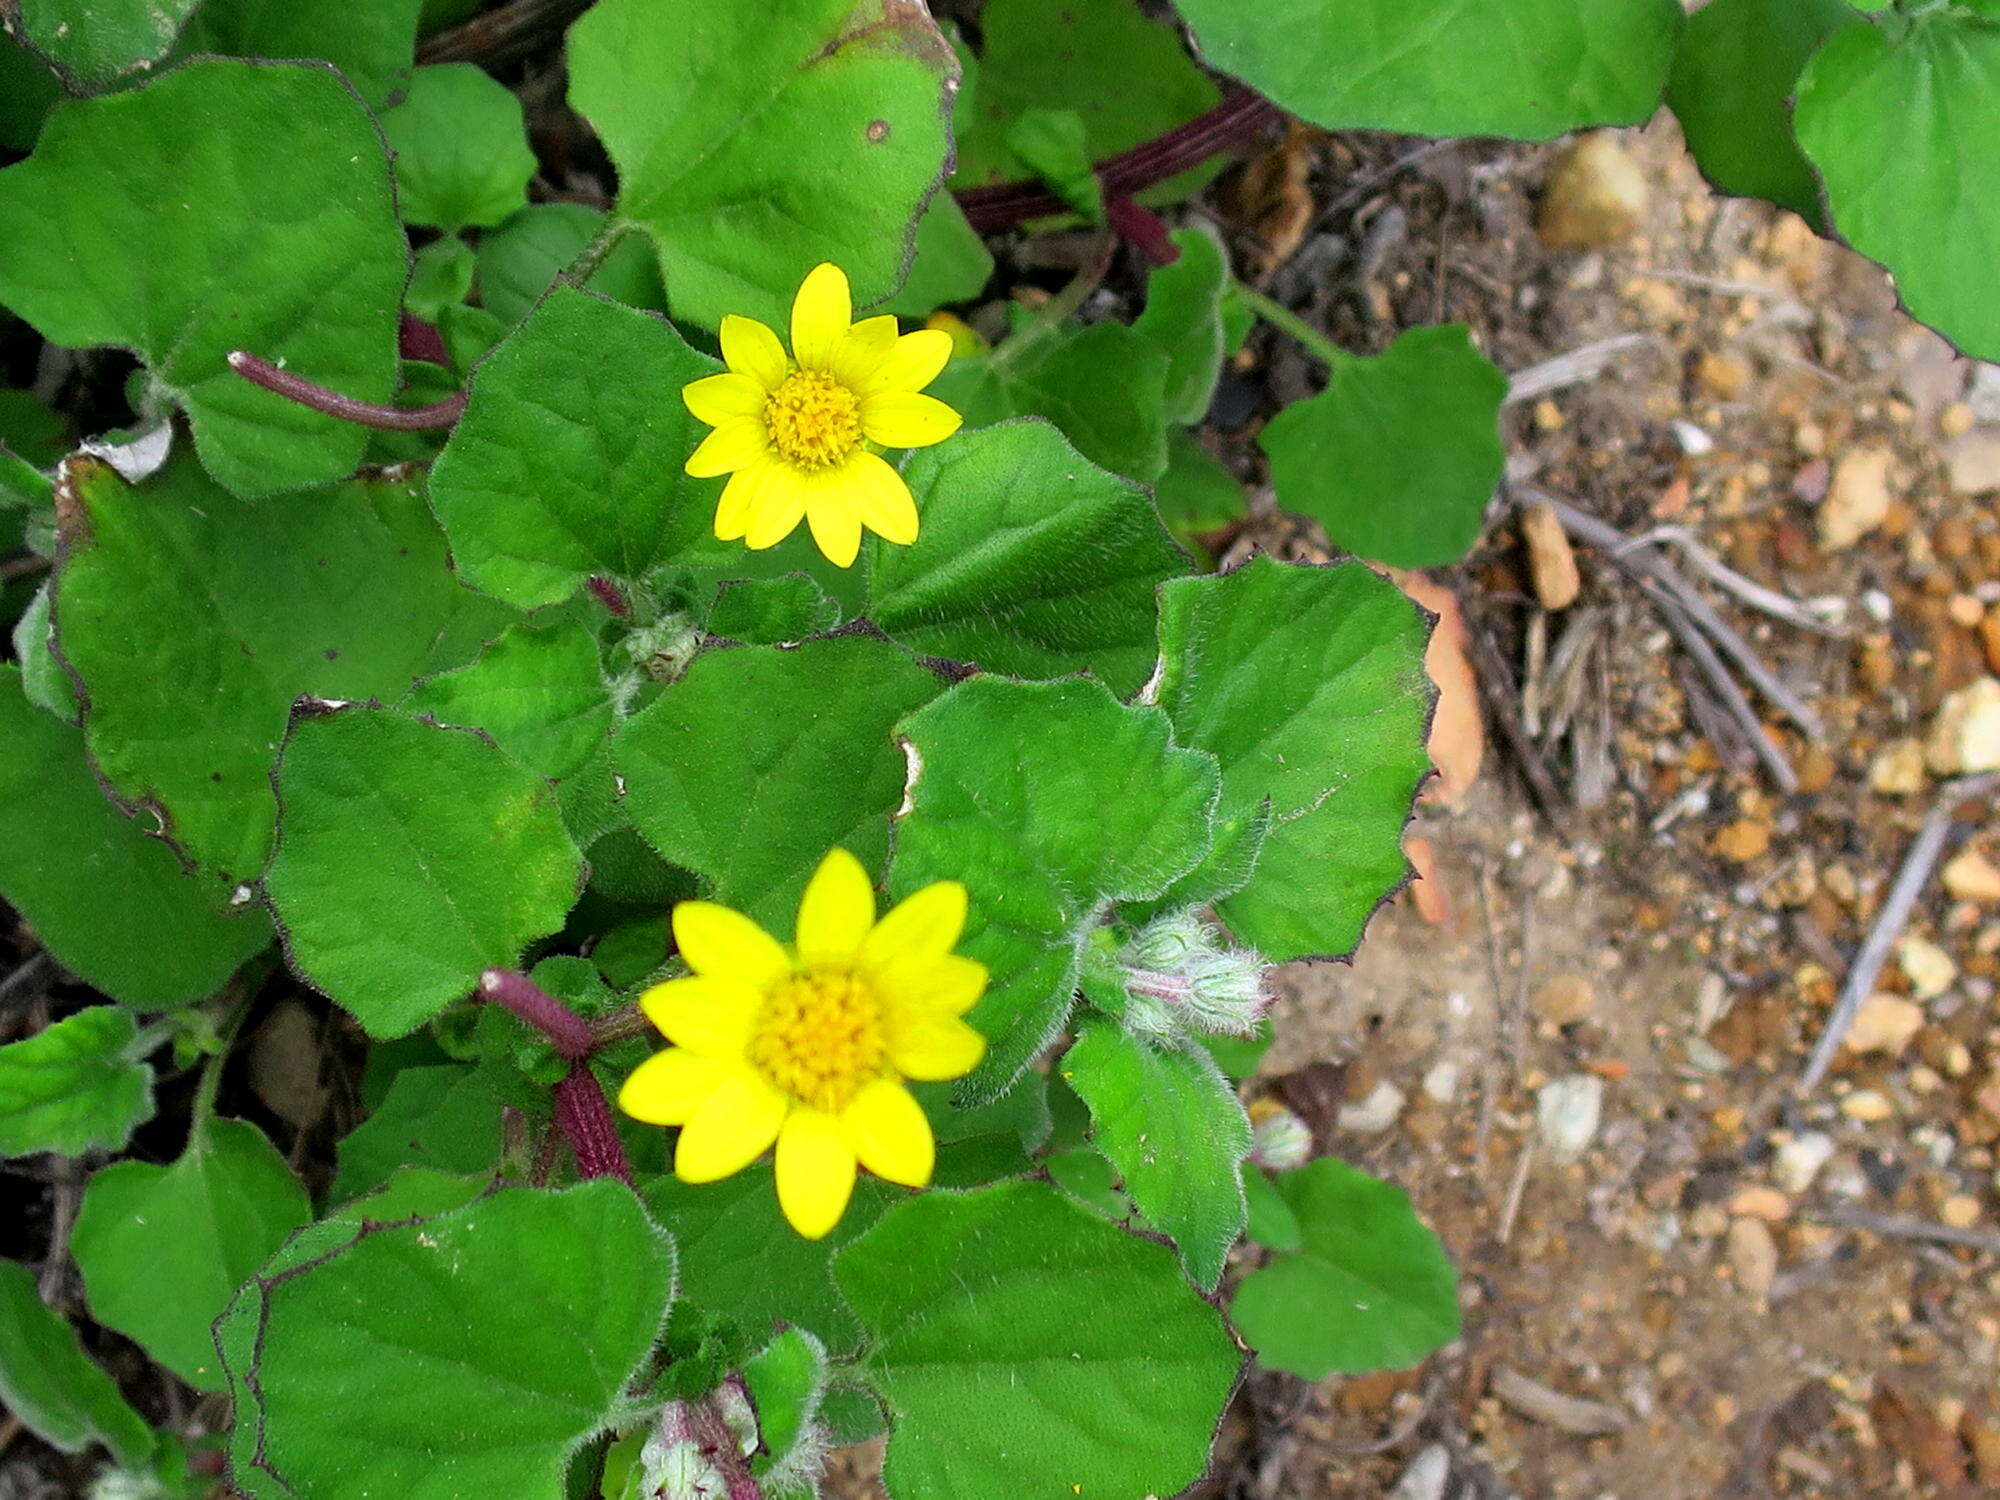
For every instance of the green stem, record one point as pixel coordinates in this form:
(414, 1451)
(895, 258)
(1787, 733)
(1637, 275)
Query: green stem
(579, 271)
(1053, 313)
(211, 1071)
(1315, 343)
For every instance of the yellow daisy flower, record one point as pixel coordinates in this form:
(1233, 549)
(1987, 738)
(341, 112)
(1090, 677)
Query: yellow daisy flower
(809, 1046)
(793, 433)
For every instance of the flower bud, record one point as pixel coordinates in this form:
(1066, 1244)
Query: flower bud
(1180, 978)
(1279, 1139)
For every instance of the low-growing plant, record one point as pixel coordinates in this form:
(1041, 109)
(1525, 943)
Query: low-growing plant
(791, 837)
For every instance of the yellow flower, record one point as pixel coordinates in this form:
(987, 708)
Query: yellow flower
(794, 433)
(809, 1046)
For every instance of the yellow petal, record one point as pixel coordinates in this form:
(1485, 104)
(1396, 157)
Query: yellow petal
(913, 364)
(719, 943)
(836, 910)
(882, 499)
(926, 924)
(834, 513)
(861, 350)
(704, 1013)
(903, 419)
(951, 985)
(669, 1086)
(931, 1046)
(888, 1131)
(716, 399)
(730, 1130)
(739, 441)
(781, 505)
(820, 316)
(740, 496)
(815, 1172)
(749, 348)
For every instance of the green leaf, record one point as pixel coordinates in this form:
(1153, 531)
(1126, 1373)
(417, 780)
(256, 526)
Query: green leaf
(1732, 85)
(538, 690)
(740, 1259)
(444, 1119)
(952, 264)
(413, 1191)
(1370, 1289)
(30, 429)
(162, 1248)
(1308, 685)
(1103, 384)
(202, 213)
(411, 858)
(761, 758)
(1050, 801)
(1270, 1222)
(460, 148)
(28, 91)
(113, 905)
(786, 1380)
(753, 143)
(519, 261)
(94, 43)
(766, 611)
(1197, 493)
(1126, 75)
(1025, 1347)
(1906, 137)
(344, 592)
(1528, 69)
(1029, 560)
(1183, 316)
(44, 683)
(48, 1382)
(470, 1353)
(75, 1086)
(568, 459)
(1052, 144)
(441, 278)
(1401, 452)
(371, 42)
(1170, 1123)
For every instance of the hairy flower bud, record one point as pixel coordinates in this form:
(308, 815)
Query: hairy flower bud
(1279, 1139)
(1179, 977)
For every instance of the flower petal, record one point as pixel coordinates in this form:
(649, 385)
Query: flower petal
(926, 924)
(821, 314)
(862, 349)
(704, 1013)
(781, 505)
(730, 1130)
(903, 419)
(888, 1131)
(716, 399)
(737, 442)
(931, 1046)
(950, 985)
(882, 499)
(834, 513)
(718, 943)
(749, 348)
(669, 1086)
(739, 497)
(815, 1172)
(913, 364)
(836, 910)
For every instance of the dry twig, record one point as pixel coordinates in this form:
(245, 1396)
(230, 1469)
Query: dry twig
(1895, 1227)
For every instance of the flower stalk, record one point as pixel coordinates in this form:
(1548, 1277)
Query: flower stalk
(261, 372)
(583, 1114)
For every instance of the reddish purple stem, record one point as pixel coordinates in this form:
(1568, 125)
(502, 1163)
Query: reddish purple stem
(609, 595)
(261, 372)
(1143, 228)
(584, 1117)
(416, 339)
(567, 1032)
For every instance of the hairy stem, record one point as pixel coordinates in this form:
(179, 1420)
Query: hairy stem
(261, 372)
(1285, 320)
(583, 1115)
(567, 1032)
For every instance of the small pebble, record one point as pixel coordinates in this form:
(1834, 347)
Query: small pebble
(1374, 1114)
(1928, 967)
(1753, 1256)
(1870, 1106)
(1799, 1160)
(1960, 1211)
(1885, 1023)
(1567, 1113)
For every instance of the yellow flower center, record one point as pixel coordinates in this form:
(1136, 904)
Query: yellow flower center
(814, 420)
(818, 1038)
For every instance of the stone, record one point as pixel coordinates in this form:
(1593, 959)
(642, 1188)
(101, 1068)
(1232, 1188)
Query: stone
(1551, 558)
(1426, 1477)
(1596, 196)
(1759, 1202)
(1753, 1256)
(1743, 840)
(1885, 1023)
(1568, 1111)
(1972, 461)
(1971, 876)
(1869, 1106)
(1566, 999)
(1965, 733)
(1441, 1082)
(1796, 1164)
(1928, 967)
(1857, 500)
(1960, 1211)
(1374, 1114)
(1722, 375)
(1898, 768)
